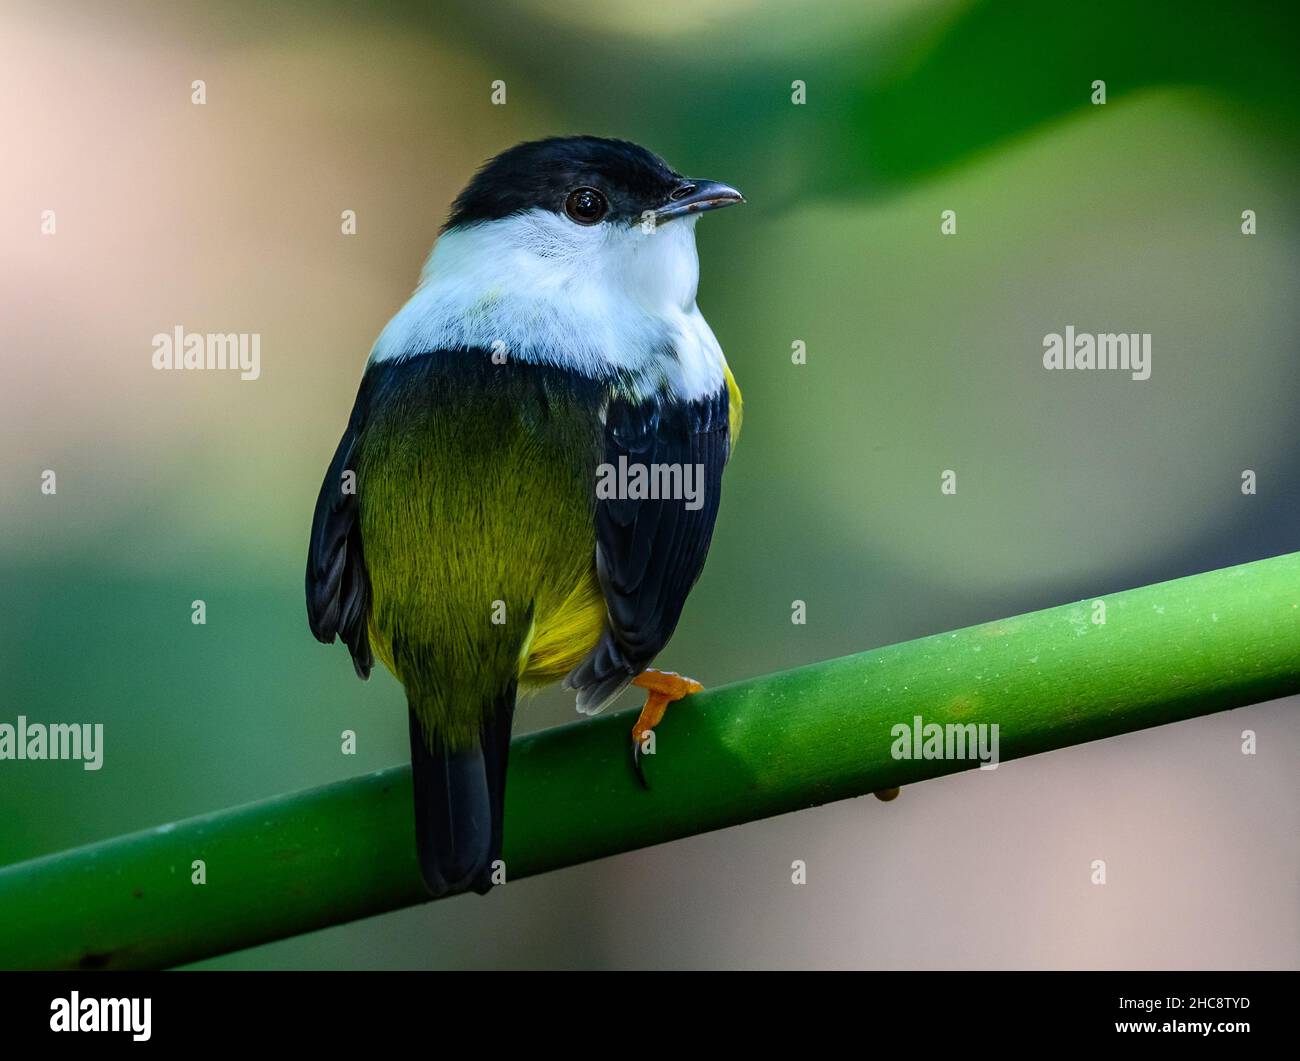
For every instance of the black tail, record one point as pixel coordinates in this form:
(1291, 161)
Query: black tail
(459, 800)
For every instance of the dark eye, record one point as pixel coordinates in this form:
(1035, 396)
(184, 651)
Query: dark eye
(586, 206)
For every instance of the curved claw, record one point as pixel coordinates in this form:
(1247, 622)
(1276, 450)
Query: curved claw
(637, 767)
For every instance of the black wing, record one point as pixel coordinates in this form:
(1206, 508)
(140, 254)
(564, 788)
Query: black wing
(650, 552)
(338, 588)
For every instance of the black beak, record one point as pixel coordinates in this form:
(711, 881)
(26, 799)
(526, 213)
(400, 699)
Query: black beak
(696, 196)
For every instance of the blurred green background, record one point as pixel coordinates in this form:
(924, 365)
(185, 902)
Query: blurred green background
(924, 354)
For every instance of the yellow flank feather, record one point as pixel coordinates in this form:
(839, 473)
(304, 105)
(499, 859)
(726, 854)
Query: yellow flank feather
(735, 406)
(560, 640)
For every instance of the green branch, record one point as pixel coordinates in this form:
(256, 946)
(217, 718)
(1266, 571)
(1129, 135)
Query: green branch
(774, 744)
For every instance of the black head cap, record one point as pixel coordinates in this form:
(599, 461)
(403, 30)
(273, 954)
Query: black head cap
(544, 173)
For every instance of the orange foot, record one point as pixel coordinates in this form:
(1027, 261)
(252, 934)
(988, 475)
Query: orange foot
(663, 688)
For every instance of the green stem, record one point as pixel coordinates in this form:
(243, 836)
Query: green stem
(766, 746)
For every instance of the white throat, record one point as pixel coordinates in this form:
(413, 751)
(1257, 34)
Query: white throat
(606, 300)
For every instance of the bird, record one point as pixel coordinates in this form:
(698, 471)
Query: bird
(508, 505)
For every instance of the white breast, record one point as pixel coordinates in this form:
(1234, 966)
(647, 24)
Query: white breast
(600, 300)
